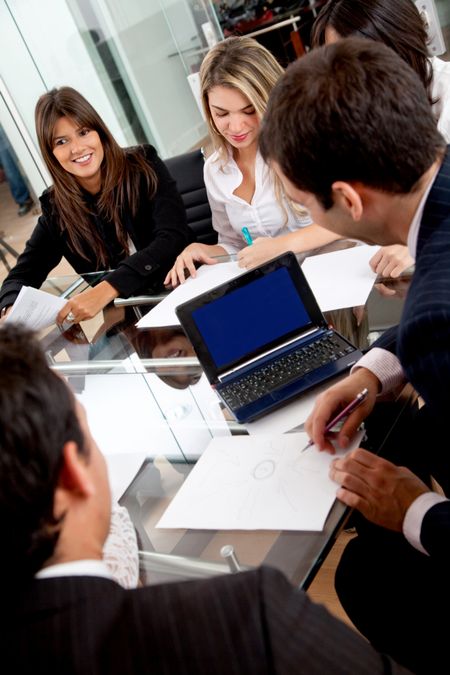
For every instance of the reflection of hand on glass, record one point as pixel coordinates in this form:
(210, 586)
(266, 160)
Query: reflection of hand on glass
(75, 335)
(393, 288)
(359, 313)
(112, 316)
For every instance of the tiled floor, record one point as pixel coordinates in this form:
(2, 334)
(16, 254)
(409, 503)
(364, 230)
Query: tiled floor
(16, 230)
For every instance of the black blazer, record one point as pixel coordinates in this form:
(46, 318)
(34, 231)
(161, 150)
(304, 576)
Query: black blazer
(159, 232)
(254, 622)
(422, 343)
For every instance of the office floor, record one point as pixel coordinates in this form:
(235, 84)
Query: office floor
(16, 230)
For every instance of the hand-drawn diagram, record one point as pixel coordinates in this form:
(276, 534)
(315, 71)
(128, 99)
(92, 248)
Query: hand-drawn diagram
(255, 482)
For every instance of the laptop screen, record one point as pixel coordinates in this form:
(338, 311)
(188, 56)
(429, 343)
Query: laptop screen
(251, 317)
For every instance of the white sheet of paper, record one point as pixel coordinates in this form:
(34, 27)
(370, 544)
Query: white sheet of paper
(256, 483)
(208, 276)
(35, 309)
(122, 470)
(341, 278)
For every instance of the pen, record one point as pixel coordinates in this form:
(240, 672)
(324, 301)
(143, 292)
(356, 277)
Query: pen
(359, 398)
(247, 236)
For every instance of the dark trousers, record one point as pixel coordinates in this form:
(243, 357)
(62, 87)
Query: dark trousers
(393, 593)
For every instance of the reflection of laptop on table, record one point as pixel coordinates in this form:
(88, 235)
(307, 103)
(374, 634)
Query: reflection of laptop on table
(262, 339)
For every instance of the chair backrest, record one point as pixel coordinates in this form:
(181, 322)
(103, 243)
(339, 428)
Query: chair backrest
(187, 170)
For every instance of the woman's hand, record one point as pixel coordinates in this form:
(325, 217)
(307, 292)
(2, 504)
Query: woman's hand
(87, 304)
(262, 249)
(5, 312)
(334, 399)
(391, 261)
(186, 261)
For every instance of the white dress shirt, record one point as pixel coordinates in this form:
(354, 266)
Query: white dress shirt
(75, 568)
(264, 217)
(440, 90)
(120, 555)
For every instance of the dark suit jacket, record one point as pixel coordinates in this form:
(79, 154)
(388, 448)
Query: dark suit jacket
(254, 622)
(159, 232)
(422, 343)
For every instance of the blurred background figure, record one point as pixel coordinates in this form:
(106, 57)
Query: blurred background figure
(10, 171)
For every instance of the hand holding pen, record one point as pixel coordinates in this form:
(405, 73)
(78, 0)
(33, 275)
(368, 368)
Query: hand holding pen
(359, 398)
(247, 236)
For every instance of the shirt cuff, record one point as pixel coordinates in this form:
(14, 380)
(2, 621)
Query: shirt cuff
(385, 366)
(412, 523)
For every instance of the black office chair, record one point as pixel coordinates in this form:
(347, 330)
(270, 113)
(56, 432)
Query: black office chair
(187, 170)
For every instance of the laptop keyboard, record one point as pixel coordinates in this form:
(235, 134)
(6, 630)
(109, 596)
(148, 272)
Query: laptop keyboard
(283, 370)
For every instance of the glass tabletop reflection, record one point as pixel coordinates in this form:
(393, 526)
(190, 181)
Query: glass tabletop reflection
(152, 411)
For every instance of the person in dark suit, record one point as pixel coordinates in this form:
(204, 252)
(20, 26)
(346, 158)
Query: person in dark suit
(62, 613)
(350, 133)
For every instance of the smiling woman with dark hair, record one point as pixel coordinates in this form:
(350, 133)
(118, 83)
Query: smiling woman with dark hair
(109, 208)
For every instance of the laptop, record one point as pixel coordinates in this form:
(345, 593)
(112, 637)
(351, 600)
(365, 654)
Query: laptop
(262, 339)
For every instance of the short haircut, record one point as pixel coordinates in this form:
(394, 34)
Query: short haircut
(37, 417)
(351, 111)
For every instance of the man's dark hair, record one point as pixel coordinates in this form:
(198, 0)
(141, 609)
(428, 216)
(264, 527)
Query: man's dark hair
(351, 111)
(37, 417)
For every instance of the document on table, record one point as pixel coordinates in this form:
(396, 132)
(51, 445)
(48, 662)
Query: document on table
(208, 276)
(341, 278)
(338, 279)
(35, 309)
(256, 483)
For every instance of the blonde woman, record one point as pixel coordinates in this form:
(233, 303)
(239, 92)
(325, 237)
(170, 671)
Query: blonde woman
(237, 76)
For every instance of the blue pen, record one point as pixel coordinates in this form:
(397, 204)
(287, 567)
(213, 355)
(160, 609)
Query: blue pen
(247, 236)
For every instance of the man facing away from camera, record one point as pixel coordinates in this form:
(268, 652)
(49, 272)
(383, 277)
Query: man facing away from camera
(350, 133)
(61, 611)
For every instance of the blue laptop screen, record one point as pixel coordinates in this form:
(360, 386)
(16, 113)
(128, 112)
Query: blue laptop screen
(250, 317)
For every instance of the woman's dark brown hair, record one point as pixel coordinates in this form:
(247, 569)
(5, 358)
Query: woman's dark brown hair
(396, 23)
(122, 173)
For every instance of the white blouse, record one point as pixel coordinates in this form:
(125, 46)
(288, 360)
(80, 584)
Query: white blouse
(264, 217)
(441, 90)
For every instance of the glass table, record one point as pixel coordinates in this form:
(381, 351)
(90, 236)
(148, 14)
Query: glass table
(153, 412)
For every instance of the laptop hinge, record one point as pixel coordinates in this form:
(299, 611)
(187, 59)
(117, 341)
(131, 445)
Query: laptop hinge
(270, 351)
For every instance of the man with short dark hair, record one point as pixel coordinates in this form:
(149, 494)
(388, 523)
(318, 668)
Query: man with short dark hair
(62, 613)
(350, 133)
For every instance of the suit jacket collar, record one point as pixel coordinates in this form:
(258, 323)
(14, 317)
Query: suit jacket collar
(437, 207)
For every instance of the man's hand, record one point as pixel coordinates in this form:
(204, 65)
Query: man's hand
(380, 490)
(186, 261)
(330, 402)
(391, 261)
(87, 304)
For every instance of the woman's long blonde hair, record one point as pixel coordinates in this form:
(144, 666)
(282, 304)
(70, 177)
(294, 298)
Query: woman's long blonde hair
(241, 63)
(122, 173)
